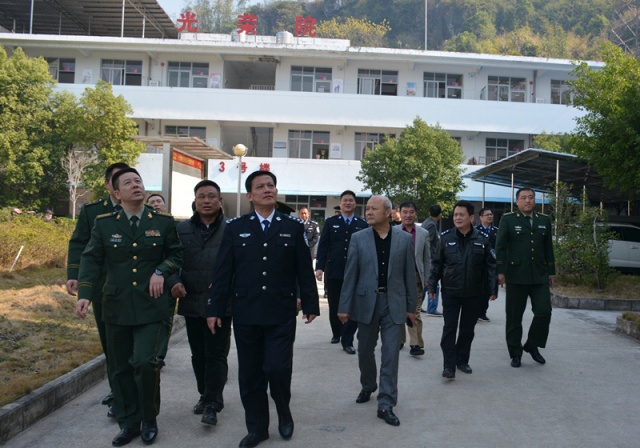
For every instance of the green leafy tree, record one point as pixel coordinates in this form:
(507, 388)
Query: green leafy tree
(25, 118)
(216, 16)
(465, 42)
(481, 25)
(553, 142)
(608, 136)
(422, 165)
(361, 32)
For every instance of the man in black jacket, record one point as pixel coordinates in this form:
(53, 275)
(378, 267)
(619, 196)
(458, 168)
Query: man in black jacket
(464, 263)
(201, 237)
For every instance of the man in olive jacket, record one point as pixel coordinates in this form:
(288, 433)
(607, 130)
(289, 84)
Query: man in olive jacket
(201, 237)
(140, 247)
(524, 255)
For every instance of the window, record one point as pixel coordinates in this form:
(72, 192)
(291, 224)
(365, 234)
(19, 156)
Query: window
(377, 82)
(442, 85)
(310, 79)
(308, 145)
(504, 88)
(499, 148)
(366, 142)
(186, 131)
(560, 92)
(62, 70)
(361, 206)
(122, 73)
(315, 204)
(188, 74)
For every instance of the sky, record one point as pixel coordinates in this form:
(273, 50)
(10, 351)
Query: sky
(173, 7)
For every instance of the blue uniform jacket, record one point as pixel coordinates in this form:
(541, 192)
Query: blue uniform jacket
(334, 244)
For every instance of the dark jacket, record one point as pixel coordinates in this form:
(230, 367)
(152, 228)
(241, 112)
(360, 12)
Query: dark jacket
(492, 232)
(197, 268)
(434, 234)
(313, 232)
(464, 265)
(334, 244)
(262, 272)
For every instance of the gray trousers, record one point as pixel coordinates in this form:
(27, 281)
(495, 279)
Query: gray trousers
(390, 334)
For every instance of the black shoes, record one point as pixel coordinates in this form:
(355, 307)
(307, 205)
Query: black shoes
(108, 399)
(253, 439)
(535, 354)
(350, 350)
(449, 373)
(199, 407)
(335, 340)
(209, 416)
(416, 350)
(111, 413)
(160, 361)
(465, 368)
(364, 396)
(484, 318)
(125, 436)
(515, 361)
(285, 427)
(388, 416)
(149, 431)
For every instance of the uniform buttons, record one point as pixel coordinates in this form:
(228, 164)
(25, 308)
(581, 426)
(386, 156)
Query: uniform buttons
(285, 244)
(135, 270)
(135, 257)
(264, 274)
(532, 250)
(154, 244)
(346, 239)
(135, 244)
(265, 244)
(243, 244)
(531, 241)
(264, 288)
(264, 258)
(115, 245)
(135, 283)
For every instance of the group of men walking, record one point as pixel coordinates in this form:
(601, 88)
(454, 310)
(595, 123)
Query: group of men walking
(132, 262)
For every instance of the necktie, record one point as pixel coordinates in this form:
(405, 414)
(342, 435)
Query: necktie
(134, 223)
(531, 221)
(348, 221)
(265, 223)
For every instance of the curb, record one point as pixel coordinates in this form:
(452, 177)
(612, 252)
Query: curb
(594, 303)
(627, 327)
(17, 416)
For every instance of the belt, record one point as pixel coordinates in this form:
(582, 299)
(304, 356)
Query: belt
(382, 290)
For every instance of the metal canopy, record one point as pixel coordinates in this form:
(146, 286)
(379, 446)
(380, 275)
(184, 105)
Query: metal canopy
(191, 146)
(536, 169)
(142, 18)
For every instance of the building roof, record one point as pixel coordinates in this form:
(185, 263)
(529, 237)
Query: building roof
(191, 146)
(536, 169)
(142, 18)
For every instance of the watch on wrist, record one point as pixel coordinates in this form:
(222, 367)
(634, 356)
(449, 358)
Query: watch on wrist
(158, 271)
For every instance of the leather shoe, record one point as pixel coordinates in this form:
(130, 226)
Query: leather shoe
(285, 428)
(149, 431)
(416, 350)
(364, 396)
(111, 413)
(253, 439)
(388, 416)
(108, 399)
(335, 340)
(199, 407)
(125, 436)
(209, 416)
(449, 373)
(160, 361)
(465, 368)
(515, 361)
(535, 354)
(350, 350)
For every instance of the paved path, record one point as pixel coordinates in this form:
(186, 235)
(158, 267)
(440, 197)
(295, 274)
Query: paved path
(587, 395)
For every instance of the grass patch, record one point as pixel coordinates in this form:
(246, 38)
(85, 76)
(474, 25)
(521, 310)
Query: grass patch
(41, 339)
(619, 287)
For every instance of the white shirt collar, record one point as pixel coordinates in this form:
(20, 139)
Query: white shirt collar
(269, 218)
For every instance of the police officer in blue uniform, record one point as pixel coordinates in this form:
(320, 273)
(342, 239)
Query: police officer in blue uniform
(262, 259)
(331, 261)
(486, 226)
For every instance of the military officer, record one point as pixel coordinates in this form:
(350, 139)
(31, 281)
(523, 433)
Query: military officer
(311, 230)
(525, 262)
(140, 247)
(262, 258)
(77, 243)
(331, 261)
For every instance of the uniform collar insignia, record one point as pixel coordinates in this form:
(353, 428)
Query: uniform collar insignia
(277, 218)
(105, 202)
(149, 215)
(118, 216)
(252, 217)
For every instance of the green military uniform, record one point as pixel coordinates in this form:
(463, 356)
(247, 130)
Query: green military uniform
(524, 255)
(77, 243)
(134, 319)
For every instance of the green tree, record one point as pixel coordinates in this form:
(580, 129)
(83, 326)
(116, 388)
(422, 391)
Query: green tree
(25, 118)
(481, 25)
(361, 32)
(216, 16)
(465, 42)
(553, 142)
(422, 165)
(608, 136)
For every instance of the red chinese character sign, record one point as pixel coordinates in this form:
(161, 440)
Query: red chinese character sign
(305, 27)
(188, 20)
(265, 167)
(247, 23)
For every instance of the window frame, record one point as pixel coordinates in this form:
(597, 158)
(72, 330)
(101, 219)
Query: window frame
(310, 79)
(443, 85)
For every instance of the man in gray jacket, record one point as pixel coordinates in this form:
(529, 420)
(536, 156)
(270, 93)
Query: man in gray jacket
(201, 236)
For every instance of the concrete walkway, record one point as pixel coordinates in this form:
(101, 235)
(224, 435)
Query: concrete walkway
(587, 395)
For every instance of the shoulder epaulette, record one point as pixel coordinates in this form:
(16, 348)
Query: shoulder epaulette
(483, 233)
(163, 213)
(447, 231)
(509, 213)
(97, 201)
(104, 215)
(295, 218)
(234, 219)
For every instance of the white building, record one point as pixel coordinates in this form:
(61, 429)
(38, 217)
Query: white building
(309, 108)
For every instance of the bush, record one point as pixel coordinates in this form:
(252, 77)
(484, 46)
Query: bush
(45, 244)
